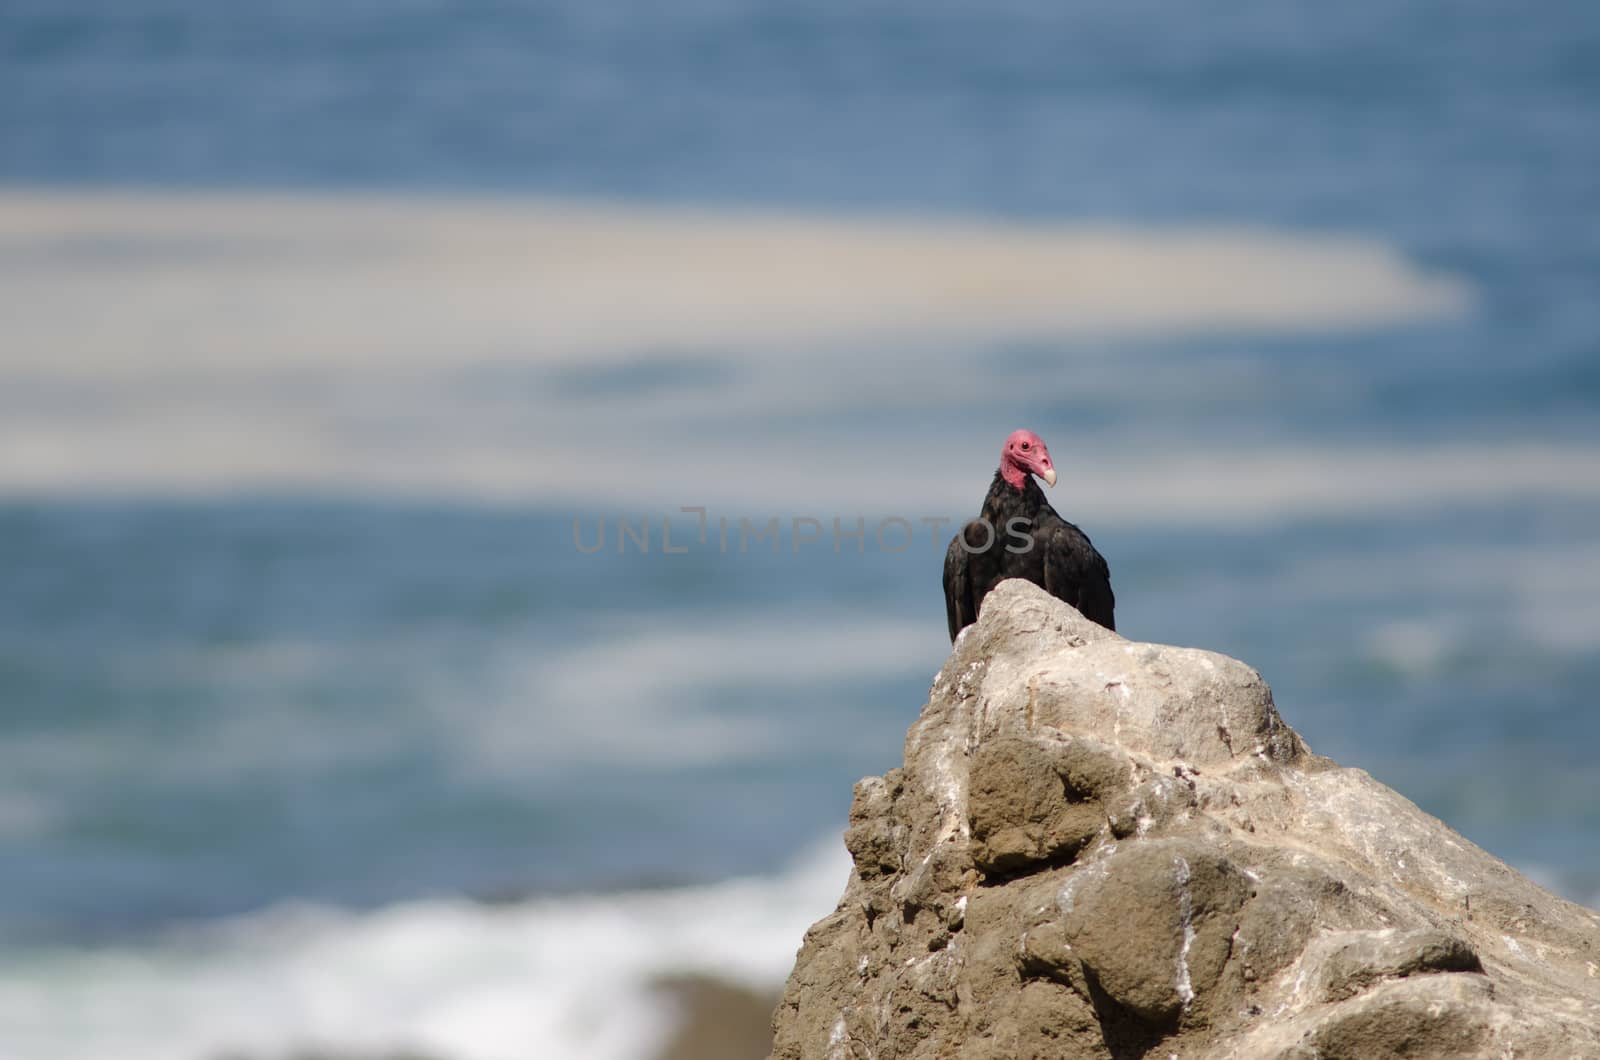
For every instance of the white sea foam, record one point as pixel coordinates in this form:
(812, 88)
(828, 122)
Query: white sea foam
(24, 815)
(644, 692)
(1546, 595)
(645, 697)
(563, 979)
(565, 353)
(222, 284)
(1411, 645)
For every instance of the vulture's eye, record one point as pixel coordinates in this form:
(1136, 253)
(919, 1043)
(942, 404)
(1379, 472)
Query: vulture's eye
(1024, 445)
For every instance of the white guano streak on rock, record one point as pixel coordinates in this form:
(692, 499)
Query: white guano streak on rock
(1296, 976)
(836, 1041)
(1096, 867)
(1186, 918)
(1117, 688)
(964, 689)
(952, 797)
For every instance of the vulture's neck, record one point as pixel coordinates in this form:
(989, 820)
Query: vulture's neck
(1014, 476)
(1013, 500)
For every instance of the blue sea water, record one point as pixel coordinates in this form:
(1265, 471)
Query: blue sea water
(214, 705)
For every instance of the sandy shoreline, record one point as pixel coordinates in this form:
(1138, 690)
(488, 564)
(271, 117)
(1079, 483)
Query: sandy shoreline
(719, 1020)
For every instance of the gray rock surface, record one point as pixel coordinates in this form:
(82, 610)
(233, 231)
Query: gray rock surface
(1100, 848)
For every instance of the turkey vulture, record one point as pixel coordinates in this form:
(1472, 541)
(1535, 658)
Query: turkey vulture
(1018, 535)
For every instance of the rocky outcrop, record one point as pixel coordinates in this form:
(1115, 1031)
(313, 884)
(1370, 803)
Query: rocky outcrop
(1100, 848)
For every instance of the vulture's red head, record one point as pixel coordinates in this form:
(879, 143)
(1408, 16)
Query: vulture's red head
(1024, 454)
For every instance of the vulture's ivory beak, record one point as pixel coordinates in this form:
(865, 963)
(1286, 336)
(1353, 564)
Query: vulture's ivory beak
(1049, 476)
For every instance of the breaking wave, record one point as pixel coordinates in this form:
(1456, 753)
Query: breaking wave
(571, 978)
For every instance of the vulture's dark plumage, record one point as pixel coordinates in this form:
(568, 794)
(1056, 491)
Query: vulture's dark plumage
(1018, 535)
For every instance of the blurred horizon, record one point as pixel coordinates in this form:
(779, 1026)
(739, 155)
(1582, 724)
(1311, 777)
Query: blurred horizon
(324, 322)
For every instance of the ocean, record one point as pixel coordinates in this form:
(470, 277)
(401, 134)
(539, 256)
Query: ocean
(471, 475)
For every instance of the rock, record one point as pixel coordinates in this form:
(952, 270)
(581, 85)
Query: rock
(1357, 964)
(1036, 800)
(1099, 848)
(1152, 923)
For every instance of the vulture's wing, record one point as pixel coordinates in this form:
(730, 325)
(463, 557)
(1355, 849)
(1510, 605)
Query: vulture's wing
(958, 603)
(1075, 571)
